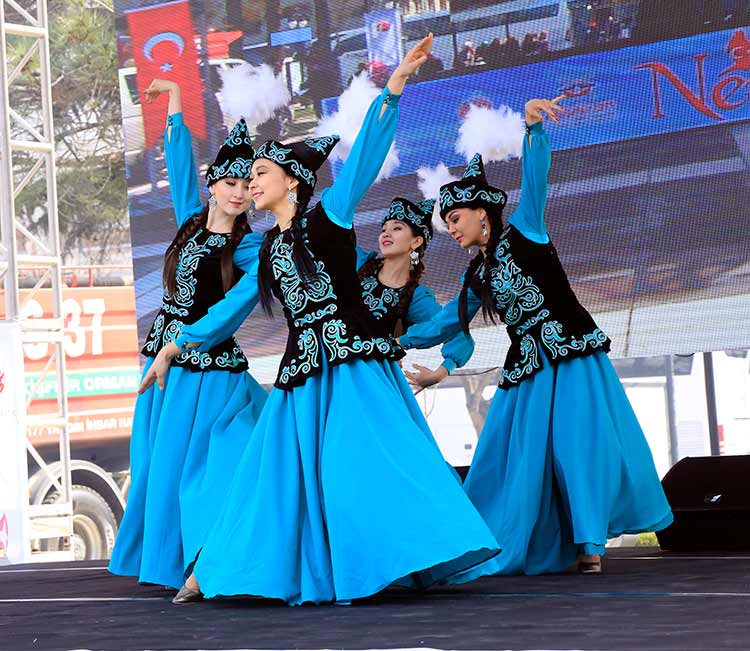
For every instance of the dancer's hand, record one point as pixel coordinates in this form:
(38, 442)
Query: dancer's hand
(538, 109)
(159, 86)
(411, 62)
(425, 377)
(160, 367)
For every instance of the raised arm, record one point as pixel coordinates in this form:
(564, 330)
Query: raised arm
(178, 151)
(535, 163)
(372, 143)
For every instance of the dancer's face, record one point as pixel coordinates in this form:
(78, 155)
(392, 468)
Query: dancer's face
(397, 239)
(232, 195)
(270, 184)
(465, 226)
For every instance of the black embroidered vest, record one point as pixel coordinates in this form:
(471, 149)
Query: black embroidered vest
(534, 299)
(198, 287)
(327, 317)
(385, 304)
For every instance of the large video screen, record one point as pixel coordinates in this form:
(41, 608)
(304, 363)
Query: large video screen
(649, 190)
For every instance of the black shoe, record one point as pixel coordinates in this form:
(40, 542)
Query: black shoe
(187, 596)
(590, 567)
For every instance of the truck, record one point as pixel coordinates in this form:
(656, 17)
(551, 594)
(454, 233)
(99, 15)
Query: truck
(103, 373)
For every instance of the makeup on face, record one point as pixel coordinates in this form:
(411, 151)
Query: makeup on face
(396, 238)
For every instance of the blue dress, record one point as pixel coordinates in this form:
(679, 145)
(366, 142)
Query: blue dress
(182, 448)
(562, 463)
(341, 490)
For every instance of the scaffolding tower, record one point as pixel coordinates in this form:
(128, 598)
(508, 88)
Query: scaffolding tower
(27, 152)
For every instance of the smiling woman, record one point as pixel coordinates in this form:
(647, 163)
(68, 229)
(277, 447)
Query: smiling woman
(181, 452)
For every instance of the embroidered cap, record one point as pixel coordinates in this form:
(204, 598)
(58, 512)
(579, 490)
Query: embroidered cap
(472, 191)
(418, 215)
(235, 157)
(300, 159)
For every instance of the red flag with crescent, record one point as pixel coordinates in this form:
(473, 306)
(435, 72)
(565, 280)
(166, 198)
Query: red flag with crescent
(164, 47)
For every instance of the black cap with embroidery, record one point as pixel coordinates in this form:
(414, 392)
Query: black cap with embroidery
(300, 159)
(418, 215)
(472, 191)
(235, 157)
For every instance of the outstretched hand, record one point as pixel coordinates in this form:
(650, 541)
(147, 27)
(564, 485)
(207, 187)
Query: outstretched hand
(411, 62)
(538, 109)
(415, 57)
(424, 377)
(157, 87)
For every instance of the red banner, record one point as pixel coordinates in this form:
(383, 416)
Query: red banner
(163, 47)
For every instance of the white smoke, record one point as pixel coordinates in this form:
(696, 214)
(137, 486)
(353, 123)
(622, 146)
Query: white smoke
(354, 103)
(497, 134)
(252, 92)
(430, 180)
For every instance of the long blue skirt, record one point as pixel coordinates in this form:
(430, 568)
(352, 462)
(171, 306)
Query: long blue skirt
(561, 465)
(186, 442)
(341, 492)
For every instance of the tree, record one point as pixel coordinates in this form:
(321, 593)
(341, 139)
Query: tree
(92, 192)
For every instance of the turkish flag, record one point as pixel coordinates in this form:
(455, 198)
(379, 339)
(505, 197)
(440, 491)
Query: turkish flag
(163, 47)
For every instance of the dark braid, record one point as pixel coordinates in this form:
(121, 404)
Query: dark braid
(301, 255)
(488, 304)
(172, 256)
(240, 228)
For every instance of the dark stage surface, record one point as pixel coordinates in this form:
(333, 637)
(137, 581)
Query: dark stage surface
(644, 601)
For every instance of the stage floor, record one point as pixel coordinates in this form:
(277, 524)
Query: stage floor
(645, 601)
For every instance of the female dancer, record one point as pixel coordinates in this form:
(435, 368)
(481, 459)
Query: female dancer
(340, 492)
(390, 283)
(180, 455)
(562, 463)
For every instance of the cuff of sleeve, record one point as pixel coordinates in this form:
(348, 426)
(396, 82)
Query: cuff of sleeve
(182, 341)
(537, 127)
(404, 341)
(390, 99)
(174, 120)
(449, 365)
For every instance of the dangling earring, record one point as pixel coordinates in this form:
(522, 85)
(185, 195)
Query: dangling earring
(292, 198)
(414, 257)
(212, 201)
(484, 227)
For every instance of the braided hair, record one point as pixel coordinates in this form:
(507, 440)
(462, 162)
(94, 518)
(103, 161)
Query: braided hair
(301, 255)
(406, 293)
(494, 214)
(240, 227)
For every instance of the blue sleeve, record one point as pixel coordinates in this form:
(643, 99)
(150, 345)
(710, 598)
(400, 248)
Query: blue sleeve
(181, 170)
(364, 161)
(364, 256)
(535, 163)
(226, 316)
(458, 349)
(441, 327)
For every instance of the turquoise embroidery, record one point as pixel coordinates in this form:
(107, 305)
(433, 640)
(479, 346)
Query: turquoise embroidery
(529, 362)
(378, 305)
(530, 323)
(559, 346)
(335, 340)
(306, 361)
(281, 155)
(296, 295)
(514, 293)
